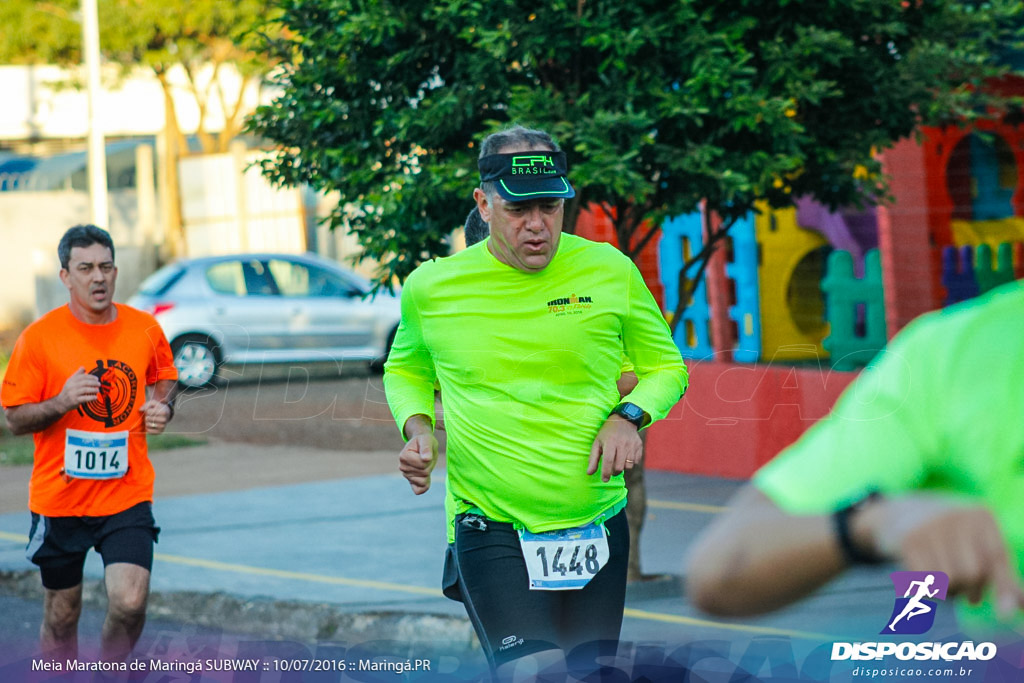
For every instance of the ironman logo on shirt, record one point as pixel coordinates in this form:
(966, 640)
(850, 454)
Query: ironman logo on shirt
(568, 305)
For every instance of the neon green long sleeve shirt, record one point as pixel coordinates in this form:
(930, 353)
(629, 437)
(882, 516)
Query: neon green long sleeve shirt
(527, 364)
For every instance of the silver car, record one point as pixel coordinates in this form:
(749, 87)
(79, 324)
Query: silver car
(266, 308)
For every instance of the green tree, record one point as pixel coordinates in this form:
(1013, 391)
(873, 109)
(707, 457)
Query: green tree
(192, 34)
(659, 105)
(203, 37)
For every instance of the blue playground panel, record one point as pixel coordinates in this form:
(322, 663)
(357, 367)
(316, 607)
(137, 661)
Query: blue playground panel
(746, 311)
(993, 200)
(958, 274)
(680, 237)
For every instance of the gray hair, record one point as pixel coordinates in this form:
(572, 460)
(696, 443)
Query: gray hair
(82, 236)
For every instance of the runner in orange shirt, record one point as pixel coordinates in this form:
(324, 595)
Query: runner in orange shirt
(77, 380)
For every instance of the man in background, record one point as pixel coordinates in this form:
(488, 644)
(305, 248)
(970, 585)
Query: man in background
(77, 380)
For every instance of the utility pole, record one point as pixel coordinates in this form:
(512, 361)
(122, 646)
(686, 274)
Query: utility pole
(97, 149)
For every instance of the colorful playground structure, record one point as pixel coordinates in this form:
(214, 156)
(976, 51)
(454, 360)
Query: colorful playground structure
(798, 299)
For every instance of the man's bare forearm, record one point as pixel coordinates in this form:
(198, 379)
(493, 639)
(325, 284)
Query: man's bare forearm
(35, 417)
(165, 391)
(755, 558)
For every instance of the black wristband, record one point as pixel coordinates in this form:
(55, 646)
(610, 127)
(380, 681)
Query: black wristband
(170, 406)
(841, 523)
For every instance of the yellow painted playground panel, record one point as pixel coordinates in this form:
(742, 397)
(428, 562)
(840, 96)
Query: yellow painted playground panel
(992, 233)
(792, 263)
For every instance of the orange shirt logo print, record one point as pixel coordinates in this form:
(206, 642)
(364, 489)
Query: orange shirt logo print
(118, 387)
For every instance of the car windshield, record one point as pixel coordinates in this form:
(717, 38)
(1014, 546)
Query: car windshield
(359, 281)
(162, 280)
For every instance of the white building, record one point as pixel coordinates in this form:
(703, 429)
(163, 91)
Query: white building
(225, 205)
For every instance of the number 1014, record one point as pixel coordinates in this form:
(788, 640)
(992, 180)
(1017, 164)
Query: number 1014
(87, 459)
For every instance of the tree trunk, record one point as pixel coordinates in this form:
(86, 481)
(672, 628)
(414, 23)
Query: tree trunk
(174, 235)
(636, 512)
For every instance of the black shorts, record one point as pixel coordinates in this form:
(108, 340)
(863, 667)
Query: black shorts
(485, 569)
(58, 545)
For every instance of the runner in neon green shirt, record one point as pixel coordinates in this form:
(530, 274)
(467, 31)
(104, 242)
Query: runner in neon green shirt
(525, 335)
(935, 428)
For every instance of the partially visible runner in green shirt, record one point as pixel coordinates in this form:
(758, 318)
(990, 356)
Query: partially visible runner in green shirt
(525, 334)
(935, 428)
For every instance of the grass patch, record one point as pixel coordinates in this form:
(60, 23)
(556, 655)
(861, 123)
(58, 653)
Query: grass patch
(166, 442)
(17, 450)
(7, 339)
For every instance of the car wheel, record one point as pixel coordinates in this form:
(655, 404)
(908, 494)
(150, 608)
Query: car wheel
(196, 358)
(377, 364)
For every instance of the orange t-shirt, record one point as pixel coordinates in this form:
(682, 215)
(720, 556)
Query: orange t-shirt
(127, 355)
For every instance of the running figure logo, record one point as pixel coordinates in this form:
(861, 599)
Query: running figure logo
(914, 613)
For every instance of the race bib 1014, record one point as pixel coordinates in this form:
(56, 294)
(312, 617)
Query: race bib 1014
(95, 455)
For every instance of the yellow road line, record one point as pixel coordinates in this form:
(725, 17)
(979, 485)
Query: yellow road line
(299, 576)
(689, 507)
(707, 623)
(432, 592)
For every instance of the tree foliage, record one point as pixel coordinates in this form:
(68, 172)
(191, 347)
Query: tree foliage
(659, 105)
(197, 35)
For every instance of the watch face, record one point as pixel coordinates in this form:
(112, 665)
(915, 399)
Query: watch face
(632, 411)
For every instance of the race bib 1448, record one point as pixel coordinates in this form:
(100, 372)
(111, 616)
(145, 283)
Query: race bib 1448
(566, 559)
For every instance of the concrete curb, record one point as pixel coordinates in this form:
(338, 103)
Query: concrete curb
(306, 622)
(309, 622)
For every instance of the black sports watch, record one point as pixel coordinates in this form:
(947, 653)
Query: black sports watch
(844, 536)
(633, 413)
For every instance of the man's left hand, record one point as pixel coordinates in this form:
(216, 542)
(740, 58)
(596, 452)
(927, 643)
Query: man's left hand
(617, 447)
(157, 414)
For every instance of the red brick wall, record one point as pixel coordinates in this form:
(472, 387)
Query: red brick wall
(910, 257)
(596, 224)
(735, 417)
